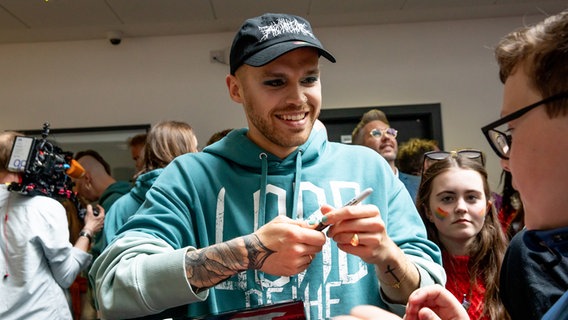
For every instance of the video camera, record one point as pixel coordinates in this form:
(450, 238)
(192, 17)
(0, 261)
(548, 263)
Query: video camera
(45, 169)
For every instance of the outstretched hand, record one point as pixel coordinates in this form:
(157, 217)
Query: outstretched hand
(366, 312)
(429, 303)
(432, 303)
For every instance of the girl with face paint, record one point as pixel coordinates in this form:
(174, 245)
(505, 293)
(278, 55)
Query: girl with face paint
(454, 203)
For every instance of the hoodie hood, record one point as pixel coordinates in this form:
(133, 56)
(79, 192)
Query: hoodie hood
(238, 148)
(144, 183)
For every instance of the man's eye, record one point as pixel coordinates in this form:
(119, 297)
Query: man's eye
(274, 83)
(309, 80)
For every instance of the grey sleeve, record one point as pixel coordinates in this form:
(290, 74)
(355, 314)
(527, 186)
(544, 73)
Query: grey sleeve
(131, 277)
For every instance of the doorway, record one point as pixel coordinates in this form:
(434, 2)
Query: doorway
(412, 121)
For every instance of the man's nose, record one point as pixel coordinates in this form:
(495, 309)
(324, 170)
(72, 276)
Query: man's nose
(296, 96)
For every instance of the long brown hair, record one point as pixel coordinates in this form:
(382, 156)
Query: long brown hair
(487, 251)
(165, 141)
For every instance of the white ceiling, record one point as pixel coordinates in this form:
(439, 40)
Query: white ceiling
(63, 20)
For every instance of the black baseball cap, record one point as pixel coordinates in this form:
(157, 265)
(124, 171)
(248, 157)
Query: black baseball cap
(267, 37)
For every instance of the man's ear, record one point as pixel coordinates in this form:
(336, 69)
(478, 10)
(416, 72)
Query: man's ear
(234, 86)
(88, 178)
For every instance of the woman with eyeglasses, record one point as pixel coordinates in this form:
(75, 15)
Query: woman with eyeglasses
(454, 203)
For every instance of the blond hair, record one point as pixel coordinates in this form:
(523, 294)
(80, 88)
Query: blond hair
(371, 115)
(165, 141)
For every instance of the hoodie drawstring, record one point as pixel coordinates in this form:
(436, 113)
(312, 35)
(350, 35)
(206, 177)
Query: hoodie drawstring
(296, 185)
(264, 182)
(258, 275)
(262, 197)
(296, 188)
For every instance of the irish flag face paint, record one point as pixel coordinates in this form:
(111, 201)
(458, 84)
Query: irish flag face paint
(440, 213)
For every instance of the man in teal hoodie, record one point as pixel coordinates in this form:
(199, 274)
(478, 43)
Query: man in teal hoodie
(233, 227)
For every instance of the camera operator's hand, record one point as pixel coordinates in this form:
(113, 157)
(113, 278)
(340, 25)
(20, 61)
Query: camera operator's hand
(94, 219)
(93, 224)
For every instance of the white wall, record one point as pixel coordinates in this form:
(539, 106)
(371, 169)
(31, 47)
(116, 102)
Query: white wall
(143, 80)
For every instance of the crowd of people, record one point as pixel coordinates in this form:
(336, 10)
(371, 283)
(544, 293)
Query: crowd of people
(232, 228)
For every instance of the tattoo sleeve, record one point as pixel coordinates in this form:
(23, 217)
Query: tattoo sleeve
(211, 265)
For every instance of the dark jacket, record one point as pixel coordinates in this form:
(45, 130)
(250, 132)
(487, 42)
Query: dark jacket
(534, 274)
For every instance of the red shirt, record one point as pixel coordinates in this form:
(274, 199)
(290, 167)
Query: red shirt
(458, 284)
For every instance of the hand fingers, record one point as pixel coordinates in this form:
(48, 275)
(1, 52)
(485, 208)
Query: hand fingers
(427, 314)
(429, 300)
(366, 312)
(284, 219)
(352, 239)
(361, 211)
(326, 208)
(95, 212)
(327, 215)
(283, 234)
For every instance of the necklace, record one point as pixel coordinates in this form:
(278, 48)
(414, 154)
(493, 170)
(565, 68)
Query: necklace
(455, 271)
(465, 303)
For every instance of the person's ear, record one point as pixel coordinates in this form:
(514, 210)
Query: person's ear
(233, 84)
(88, 178)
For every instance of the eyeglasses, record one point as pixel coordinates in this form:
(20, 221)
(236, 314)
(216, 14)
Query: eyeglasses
(501, 141)
(377, 133)
(433, 156)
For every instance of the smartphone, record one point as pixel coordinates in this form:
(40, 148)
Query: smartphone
(356, 200)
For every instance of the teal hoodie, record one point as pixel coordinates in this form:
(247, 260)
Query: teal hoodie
(231, 189)
(112, 193)
(127, 205)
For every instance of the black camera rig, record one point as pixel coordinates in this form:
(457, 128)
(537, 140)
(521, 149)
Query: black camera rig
(45, 169)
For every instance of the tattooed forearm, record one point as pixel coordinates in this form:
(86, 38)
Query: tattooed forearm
(211, 265)
(257, 252)
(204, 268)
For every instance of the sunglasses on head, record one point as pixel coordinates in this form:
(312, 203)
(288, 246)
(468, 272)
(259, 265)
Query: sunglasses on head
(433, 156)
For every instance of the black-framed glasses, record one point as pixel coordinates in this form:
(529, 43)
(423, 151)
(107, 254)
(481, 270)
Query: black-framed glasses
(377, 133)
(500, 141)
(433, 156)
